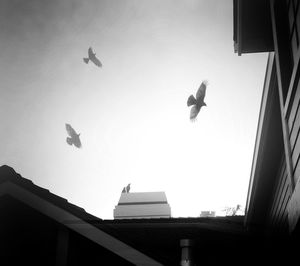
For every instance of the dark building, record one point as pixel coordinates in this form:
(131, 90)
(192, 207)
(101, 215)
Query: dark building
(273, 201)
(40, 228)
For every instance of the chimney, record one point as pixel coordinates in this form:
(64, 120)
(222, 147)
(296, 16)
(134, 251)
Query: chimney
(187, 258)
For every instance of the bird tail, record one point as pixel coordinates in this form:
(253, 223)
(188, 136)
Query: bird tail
(194, 112)
(191, 100)
(86, 60)
(69, 141)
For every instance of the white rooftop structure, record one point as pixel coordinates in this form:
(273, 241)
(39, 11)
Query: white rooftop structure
(208, 214)
(142, 205)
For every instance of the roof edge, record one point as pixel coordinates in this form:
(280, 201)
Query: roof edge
(63, 216)
(258, 140)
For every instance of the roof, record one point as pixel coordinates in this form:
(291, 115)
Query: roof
(269, 131)
(139, 241)
(68, 214)
(8, 174)
(252, 27)
(217, 235)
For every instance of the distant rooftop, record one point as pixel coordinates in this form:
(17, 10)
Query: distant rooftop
(208, 214)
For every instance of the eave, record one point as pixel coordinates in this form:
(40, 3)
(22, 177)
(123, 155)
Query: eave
(252, 30)
(267, 152)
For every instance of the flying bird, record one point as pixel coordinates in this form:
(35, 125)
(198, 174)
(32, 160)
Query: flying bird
(92, 57)
(197, 102)
(74, 137)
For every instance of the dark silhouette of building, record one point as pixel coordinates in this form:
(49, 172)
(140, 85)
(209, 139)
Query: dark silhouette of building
(273, 201)
(40, 228)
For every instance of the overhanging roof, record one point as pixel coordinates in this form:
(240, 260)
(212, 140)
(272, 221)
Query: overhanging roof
(267, 151)
(67, 214)
(211, 236)
(252, 27)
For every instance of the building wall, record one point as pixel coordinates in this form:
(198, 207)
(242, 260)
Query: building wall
(287, 78)
(278, 214)
(272, 200)
(294, 24)
(294, 126)
(293, 116)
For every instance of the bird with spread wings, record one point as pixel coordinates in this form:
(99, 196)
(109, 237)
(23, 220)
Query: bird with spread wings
(74, 137)
(92, 57)
(197, 102)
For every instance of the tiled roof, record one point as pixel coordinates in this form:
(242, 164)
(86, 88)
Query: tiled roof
(8, 174)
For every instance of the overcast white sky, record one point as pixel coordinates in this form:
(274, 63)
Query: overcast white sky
(132, 113)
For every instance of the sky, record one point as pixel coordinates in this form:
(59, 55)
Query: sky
(131, 113)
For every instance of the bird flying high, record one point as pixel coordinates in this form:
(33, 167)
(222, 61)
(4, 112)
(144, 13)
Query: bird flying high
(74, 137)
(197, 102)
(92, 57)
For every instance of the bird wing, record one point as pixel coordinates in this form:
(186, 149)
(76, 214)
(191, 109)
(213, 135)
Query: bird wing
(77, 142)
(201, 91)
(69, 141)
(191, 100)
(90, 52)
(96, 61)
(70, 131)
(194, 112)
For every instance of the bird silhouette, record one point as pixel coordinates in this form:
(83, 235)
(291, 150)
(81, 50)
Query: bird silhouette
(92, 57)
(128, 188)
(197, 102)
(74, 137)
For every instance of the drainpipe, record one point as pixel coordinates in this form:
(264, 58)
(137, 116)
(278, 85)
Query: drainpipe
(187, 258)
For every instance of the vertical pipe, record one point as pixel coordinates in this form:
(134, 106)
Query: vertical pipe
(187, 258)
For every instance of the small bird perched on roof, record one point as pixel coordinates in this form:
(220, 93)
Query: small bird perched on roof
(74, 137)
(93, 58)
(197, 102)
(128, 188)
